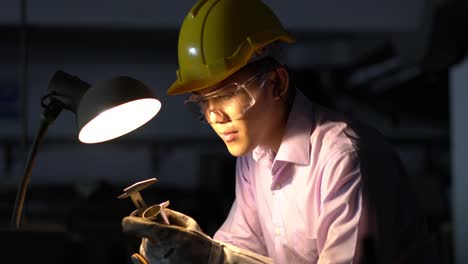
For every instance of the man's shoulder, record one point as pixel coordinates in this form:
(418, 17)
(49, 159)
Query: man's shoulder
(336, 130)
(332, 128)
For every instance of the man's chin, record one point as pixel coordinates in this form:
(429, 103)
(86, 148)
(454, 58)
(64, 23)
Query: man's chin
(236, 149)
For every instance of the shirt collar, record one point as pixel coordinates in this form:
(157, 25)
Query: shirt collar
(295, 145)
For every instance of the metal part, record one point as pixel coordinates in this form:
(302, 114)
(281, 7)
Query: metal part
(163, 213)
(133, 191)
(154, 211)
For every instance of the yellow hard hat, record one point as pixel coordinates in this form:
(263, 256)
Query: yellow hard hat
(218, 37)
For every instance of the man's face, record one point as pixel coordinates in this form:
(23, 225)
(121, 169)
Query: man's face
(243, 134)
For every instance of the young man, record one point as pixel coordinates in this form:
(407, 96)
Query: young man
(312, 186)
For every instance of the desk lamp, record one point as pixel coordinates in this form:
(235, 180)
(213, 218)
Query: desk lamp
(105, 111)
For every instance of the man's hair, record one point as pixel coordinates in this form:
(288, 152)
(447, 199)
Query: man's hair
(273, 50)
(264, 64)
(267, 64)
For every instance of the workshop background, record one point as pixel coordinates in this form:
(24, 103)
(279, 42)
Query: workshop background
(398, 65)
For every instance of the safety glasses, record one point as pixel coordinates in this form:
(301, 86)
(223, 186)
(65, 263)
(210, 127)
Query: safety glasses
(229, 102)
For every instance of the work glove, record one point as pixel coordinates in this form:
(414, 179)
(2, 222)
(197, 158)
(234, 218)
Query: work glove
(182, 242)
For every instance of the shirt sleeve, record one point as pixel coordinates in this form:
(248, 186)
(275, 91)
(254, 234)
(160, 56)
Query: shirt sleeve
(242, 227)
(340, 208)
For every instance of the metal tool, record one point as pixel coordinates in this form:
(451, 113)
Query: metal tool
(153, 211)
(134, 192)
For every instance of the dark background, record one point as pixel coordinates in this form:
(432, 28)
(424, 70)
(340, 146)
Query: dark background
(398, 65)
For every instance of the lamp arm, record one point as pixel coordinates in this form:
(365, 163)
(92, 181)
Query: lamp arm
(50, 113)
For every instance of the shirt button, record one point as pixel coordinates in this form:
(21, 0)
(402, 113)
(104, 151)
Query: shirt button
(277, 231)
(277, 186)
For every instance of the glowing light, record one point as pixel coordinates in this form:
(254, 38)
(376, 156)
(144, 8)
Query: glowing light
(192, 51)
(119, 120)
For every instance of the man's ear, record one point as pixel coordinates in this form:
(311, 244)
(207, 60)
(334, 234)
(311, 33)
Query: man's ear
(282, 83)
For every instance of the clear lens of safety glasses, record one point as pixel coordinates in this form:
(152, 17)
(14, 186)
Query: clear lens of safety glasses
(231, 101)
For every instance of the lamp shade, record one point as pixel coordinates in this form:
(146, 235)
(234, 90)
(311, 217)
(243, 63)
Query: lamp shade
(114, 107)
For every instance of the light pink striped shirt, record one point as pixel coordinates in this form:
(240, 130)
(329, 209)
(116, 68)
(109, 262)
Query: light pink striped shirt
(304, 204)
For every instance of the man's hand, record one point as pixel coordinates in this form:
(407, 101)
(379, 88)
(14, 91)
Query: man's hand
(182, 242)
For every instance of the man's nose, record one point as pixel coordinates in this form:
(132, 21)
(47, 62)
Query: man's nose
(217, 116)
